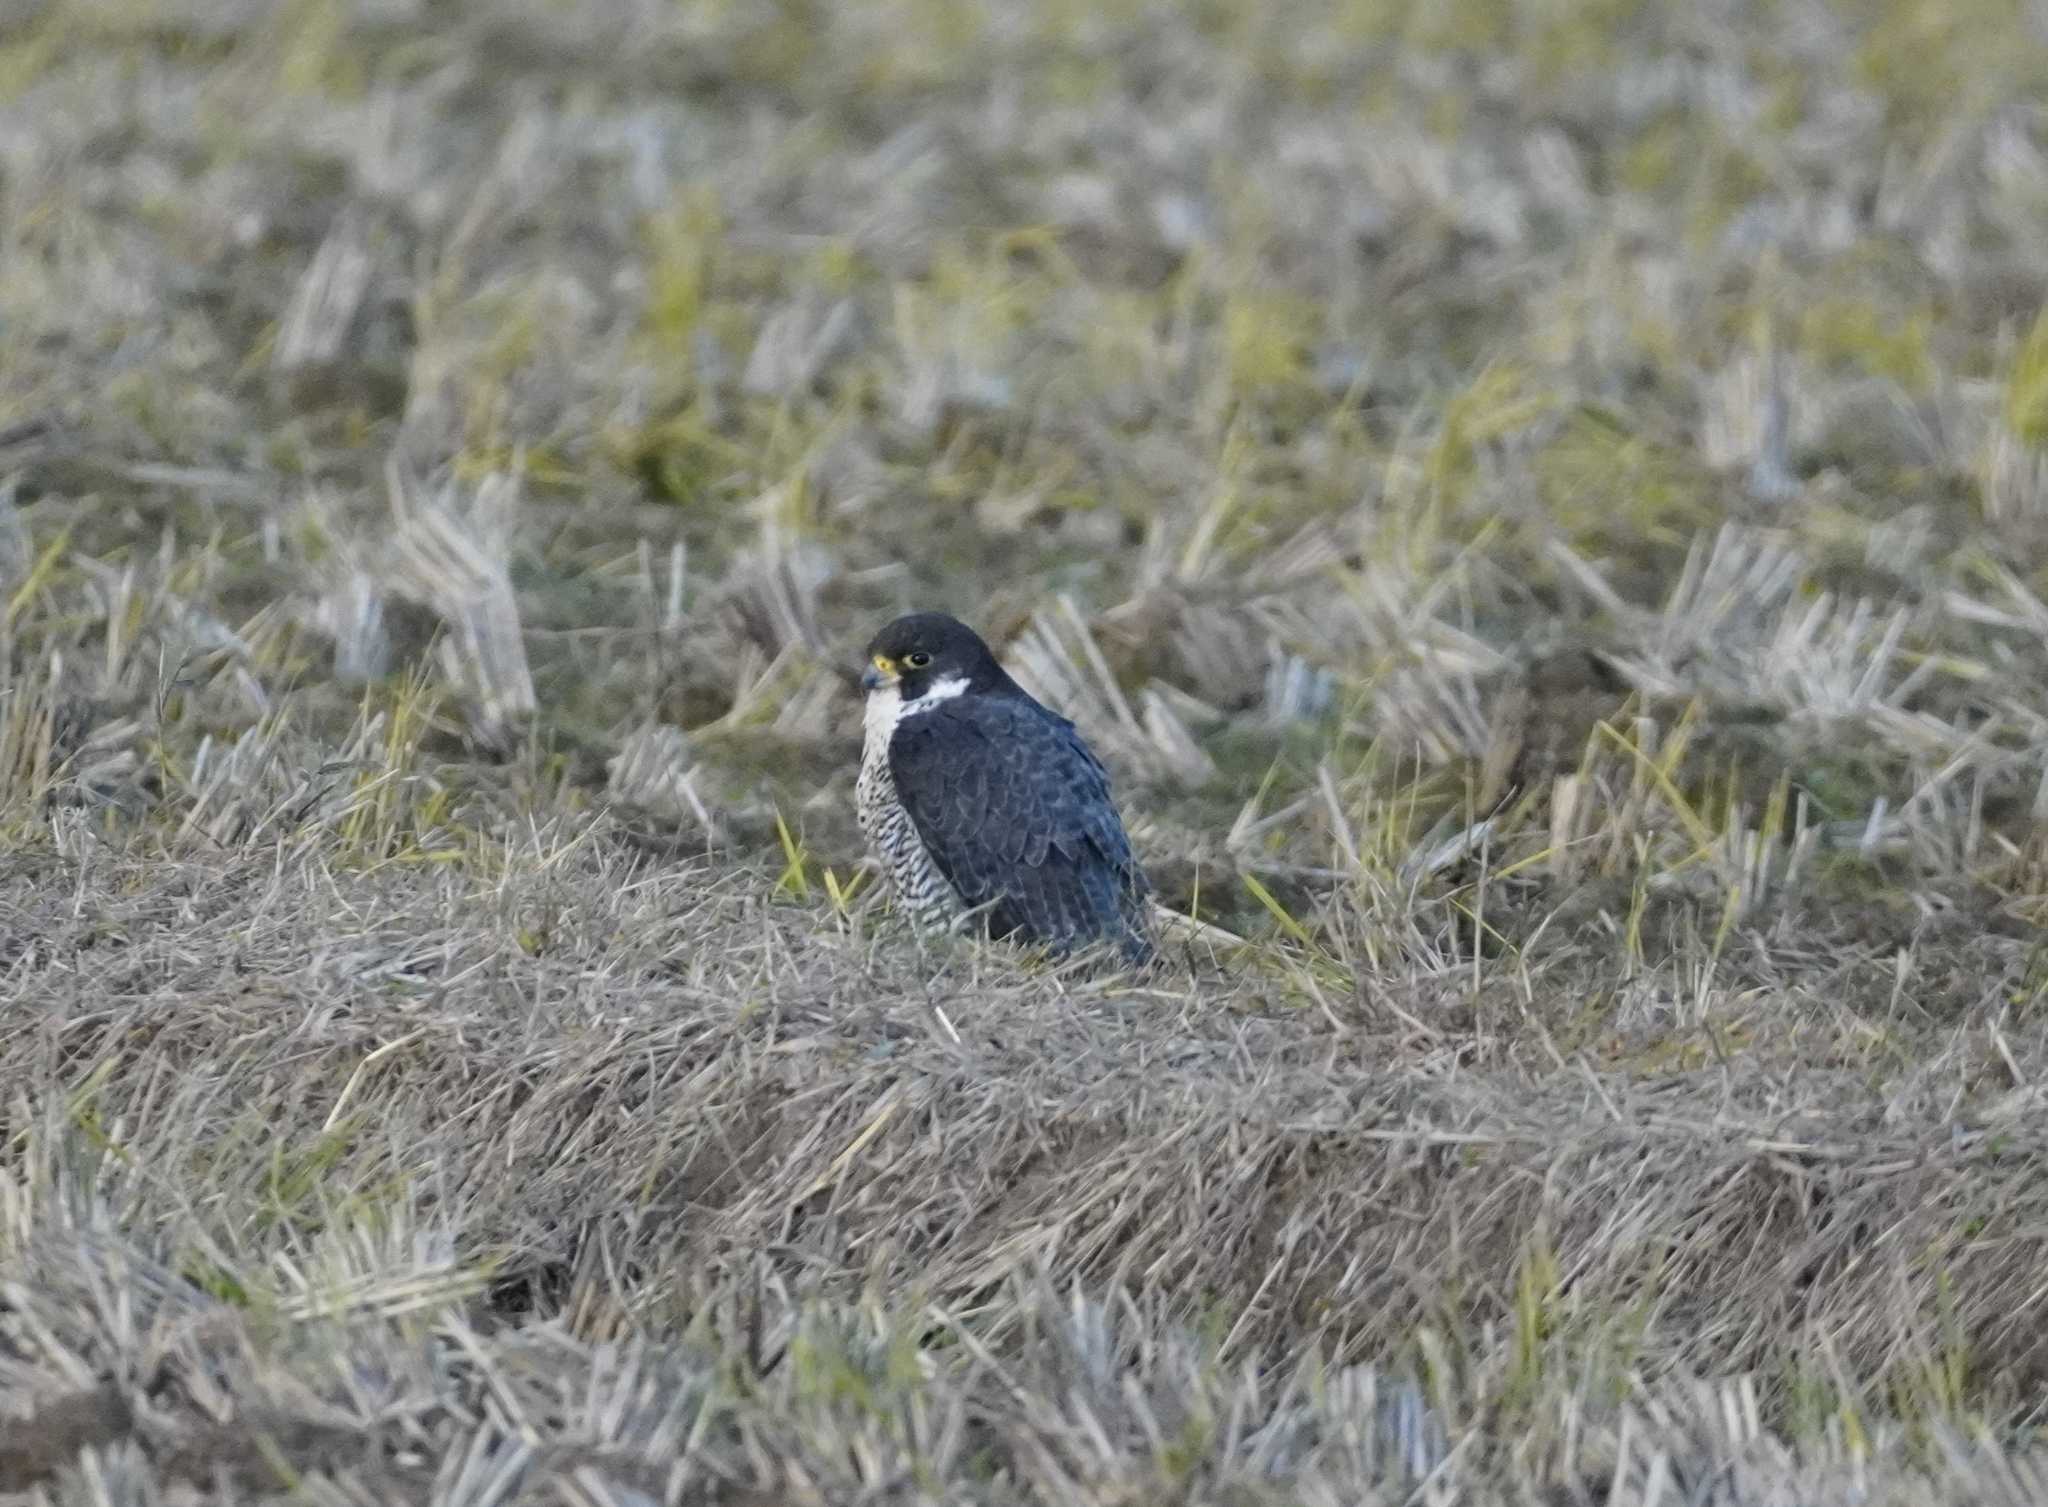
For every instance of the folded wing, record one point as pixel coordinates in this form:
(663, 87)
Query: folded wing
(1016, 812)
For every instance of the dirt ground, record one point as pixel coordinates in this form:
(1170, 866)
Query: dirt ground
(1541, 508)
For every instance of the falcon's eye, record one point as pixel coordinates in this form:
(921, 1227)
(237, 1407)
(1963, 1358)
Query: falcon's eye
(917, 661)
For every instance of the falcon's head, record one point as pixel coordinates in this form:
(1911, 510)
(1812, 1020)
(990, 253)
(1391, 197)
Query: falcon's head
(929, 652)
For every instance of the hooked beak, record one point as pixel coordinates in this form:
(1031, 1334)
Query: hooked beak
(880, 672)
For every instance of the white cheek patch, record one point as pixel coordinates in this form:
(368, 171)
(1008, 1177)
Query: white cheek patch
(937, 691)
(886, 707)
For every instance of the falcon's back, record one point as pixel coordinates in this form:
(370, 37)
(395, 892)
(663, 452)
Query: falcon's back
(1014, 810)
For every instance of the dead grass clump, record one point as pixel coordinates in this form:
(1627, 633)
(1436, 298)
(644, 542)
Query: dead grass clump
(597, 1102)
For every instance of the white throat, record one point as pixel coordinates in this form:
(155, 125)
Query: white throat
(886, 707)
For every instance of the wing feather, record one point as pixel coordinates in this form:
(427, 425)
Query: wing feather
(1016, 812)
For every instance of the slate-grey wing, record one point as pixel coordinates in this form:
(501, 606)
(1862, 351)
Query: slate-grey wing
(1016, 813)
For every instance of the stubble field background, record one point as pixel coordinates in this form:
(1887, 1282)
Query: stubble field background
(1540, 505)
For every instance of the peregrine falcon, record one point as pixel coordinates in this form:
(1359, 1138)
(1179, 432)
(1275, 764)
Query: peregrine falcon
(978, 799)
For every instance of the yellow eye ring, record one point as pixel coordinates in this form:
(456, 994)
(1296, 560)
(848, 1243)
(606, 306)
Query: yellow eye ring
(917, 661)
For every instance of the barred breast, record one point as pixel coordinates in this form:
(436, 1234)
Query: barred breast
(919, 886)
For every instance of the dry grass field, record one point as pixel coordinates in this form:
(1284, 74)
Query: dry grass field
(1543, 507)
